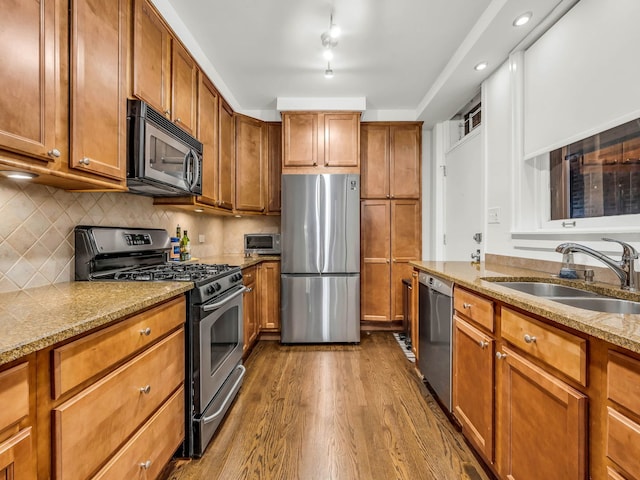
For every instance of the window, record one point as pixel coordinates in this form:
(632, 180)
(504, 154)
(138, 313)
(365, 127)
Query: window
(598, 176)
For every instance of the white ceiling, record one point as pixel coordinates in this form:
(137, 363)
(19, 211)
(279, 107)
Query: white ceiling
(411, 59)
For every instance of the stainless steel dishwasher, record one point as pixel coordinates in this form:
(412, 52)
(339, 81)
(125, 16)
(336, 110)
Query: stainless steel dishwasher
(435, 332)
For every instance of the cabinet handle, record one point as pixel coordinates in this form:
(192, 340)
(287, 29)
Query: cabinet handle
(146, 389)
(388, 261)
(146, 332)
(249, 289)
(54, 153)
(315, 164)
(529, 338)
(483, 344)
(466, 305)
(178, 120)
(84, 161)
(167, 112)
(145, 465)
(387, 195)
(501, 356)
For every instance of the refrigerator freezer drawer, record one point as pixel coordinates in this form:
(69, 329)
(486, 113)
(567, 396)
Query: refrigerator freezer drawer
(320, 309)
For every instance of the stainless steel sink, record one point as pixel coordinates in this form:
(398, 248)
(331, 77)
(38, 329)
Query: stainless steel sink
(541, 289)
(601, 304)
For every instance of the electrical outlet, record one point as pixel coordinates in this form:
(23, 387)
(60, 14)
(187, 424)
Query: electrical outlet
(201, 238)
(493, 215)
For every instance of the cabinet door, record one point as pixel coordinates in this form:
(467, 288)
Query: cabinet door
(16, 457)
(300, 140)
(274, 180)
(406, 245)
(341, 139)
(405, 153)
(98, 98)
(208, 100)
(184, 88)
(27, 76)
(473, 357)
(151, 57)
(375, 247)
(374, 157)
(249, 306)
(542, 423)
(251, 157)
(226, 168)
(270, 295)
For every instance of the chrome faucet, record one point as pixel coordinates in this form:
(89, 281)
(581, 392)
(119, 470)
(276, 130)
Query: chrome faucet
(623, 268)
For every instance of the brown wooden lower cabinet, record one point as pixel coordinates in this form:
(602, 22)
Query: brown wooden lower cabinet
(473, 385)
(16, 456)
(542, 423)
(250, 307)
(269, 286)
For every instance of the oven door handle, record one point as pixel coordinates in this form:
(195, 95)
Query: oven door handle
(216, 305)
(229, 397)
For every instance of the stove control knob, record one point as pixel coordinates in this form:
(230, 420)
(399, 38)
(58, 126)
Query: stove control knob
(210, 289)
(217, 286)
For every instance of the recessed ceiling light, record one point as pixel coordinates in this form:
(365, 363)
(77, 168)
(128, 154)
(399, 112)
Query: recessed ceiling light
(522, 19)
(16, 175)
(481, 66)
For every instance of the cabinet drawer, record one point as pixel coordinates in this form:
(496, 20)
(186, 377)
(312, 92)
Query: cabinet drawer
(474, 307)
(146, 454)
(115, 406)
(560, 350)
(623, 381)
(79, 361)
(16, 457)
(14, 395)
(623, 442)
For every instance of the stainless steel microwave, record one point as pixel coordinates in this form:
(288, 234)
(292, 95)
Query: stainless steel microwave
(162, 159)
(262, 243)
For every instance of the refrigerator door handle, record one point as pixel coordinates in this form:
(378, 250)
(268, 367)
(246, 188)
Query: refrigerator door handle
(320, 220)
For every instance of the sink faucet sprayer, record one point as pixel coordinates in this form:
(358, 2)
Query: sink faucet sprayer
(623, 268)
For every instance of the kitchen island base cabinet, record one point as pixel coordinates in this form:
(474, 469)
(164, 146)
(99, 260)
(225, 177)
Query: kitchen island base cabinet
(541, 423)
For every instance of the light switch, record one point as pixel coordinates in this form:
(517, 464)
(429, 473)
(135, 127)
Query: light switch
(493, 215)
(201, 238)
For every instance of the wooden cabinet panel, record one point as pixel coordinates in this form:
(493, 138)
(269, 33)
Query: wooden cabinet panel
(613, 475)
(28, 77)
(269, 282)
(227, 147)
(375, 251)
(406, 245)
(274, 178)
(623, 442)
(151, 448)
(250, 307)
(473, 385)
(15, 457)
(251, 164)
(542, 423)
(82, 359)
(342, 140)
(631, 150)
(184, 88)
(623, 381)
(404, 160)
(208, 104)
(560, 350)
(99, 36)
(474, 307)
(300, 141)
(374, 152)
(151, 57)
(117, 404)
(14, 395)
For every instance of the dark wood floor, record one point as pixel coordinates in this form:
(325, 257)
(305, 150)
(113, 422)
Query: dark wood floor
(333, 412)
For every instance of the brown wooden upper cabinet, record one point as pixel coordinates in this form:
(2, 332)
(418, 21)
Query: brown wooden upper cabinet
(99, 34)
(390, 159)
(208, 105)
(226, 159)
(275, 167)
(164, 74)
(316, 140)
(251, 164)
(28, 80)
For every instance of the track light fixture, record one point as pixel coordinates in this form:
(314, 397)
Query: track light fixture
(329, 42)
(328, 73)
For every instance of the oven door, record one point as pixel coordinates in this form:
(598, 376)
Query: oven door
(219, 345)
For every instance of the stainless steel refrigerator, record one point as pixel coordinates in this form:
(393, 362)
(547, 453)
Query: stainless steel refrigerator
(320, 262)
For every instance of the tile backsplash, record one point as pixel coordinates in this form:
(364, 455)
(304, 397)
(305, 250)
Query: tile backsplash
(37, 222)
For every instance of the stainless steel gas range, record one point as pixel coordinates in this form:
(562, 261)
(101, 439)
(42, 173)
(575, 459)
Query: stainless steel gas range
(214, 339)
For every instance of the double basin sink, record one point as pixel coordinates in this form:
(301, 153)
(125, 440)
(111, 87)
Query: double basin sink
(574, 297)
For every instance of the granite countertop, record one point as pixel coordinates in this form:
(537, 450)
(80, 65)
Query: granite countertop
(36, 318)
(238, 259)
(619, 329)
